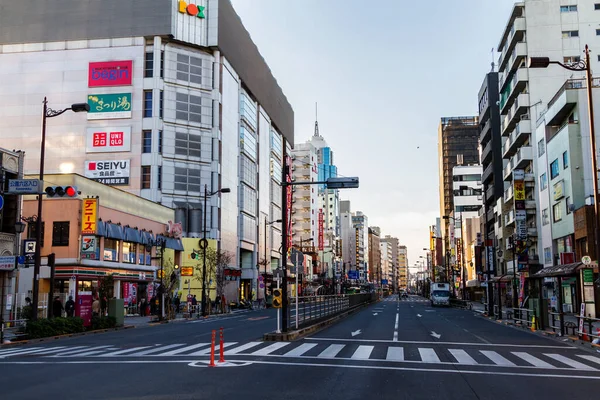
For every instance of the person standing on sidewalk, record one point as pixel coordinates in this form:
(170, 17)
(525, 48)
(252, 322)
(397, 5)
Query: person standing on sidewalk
(57, 307)
(70, 307)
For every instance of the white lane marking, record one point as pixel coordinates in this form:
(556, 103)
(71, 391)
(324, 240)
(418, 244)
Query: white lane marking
(60, 350)
(243, 347)
(462, 357)
(22, 351)
(17, 350)
(69, 352)
(395, 354)
(156, 350)
(570, 363)
(207, 351)
(298, 351)
(362, 353)
(590, 358)
(532, 360)
(182, 349)
(497, 358)
(357, 332)
(395, 338)
(450, 343)
(270, 348)
(428, 355)
(124, 351)
(331, 351)
(89, 353)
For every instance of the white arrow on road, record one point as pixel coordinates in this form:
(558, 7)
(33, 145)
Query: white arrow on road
(419, 315)
(435, 335)
(355, 333)
(375, 314)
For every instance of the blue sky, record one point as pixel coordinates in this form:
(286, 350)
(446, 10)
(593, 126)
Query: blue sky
(383, 73)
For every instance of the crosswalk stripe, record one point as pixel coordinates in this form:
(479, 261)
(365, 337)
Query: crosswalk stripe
(53, 350)
(532, 360)
(571, 363)
(207, 350)
(395, 354)
(20, 351)
(156, 349)
(428, 355)
(88, 353)
(298, 351)
(363, 352)
(182, 349)
(497, 358)
(331, 351)
(69, 352)
(590, 358)
(462, 357)
(124, 351)
(243, 347)
(270, 348)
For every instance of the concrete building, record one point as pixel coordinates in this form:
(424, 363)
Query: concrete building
(347, 238)
(375, 274)
(387, 263)
(393, 245)
(179, 102)
(305, 203)
(360, 224)
(402, 267)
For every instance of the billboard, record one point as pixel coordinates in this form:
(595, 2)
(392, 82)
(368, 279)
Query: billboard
(109, 106)
(108, 172)
(89, 222)
(110, 73)
(108, 139)
(90, 248)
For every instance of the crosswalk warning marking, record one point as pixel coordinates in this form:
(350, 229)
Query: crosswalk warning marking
(497, 358)
(21, 351)
(395, 354)
(462, 357)
(156, 350)
(207, 350)
(363, 352)
(536, 362)
(570, 363)
(591, 358)
(53, 350)
(298, 351)
(70, 353)
(428, 355)
(89, 353)
(331, 351)
(125, 351)
(270, 348)
(243, 347)
(182, 349)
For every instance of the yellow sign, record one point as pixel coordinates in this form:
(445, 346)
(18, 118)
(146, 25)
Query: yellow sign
(89, 222)
(187, 271)
(519, 190)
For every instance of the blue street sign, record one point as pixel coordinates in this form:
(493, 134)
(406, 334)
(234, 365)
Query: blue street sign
(21, 260)
(352, 274)
(1, 202)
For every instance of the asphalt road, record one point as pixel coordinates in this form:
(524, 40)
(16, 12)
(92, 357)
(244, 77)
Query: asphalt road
(390, 350)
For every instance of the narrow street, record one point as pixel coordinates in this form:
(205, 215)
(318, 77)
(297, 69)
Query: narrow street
(401, 349)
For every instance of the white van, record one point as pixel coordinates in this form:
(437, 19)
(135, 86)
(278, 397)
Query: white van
(440, 294)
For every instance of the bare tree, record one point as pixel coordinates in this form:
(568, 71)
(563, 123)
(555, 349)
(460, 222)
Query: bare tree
(216, 262)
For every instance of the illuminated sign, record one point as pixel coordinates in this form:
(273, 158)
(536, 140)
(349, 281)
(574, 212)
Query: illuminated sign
(110, 73)
(89, 221)
(109, 106)
(191, 9)
(110, 172)
(108, 140)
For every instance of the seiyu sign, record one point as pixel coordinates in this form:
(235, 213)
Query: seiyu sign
(112, 172)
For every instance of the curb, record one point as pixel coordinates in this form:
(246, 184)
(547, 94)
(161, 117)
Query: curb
(68, 335)
(300, 333)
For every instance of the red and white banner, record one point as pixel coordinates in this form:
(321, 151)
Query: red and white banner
(288, 178)
(321, 242)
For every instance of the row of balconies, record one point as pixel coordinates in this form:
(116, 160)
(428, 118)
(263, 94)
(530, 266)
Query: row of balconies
(520, 160)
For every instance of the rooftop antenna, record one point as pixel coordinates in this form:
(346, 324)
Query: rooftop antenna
(316, 120)
(493, 65)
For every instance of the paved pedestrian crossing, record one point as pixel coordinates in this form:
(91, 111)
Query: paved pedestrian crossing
(545, 358)
(412, 299)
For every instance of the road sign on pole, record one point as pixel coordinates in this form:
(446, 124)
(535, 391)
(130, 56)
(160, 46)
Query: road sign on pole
(24, 186)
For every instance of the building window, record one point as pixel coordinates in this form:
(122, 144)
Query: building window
(568, 9)
(60, 233)
(160, 142)
(548, 255)
(557, 212)
(541, 148)
(146, 176)
(187, 179)
(147, 103)
(129, 252)
(569, 205)
(111, 249)
(545, 217)
(554, 169)
(146, 141)
(160, 105)
(162, 64)
(597, 32)
(189, 69)
(31, 231)
(573, 59)
(597, 7)
(159, 177)
(187, 144)
(543, 181)
(188, 107)
(149, 65)
(565, 160)
(570, 34)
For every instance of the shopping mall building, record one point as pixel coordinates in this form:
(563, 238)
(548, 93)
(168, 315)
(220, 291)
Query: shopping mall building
(179, 98)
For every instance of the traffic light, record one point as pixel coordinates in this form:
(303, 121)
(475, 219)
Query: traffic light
(277, 300)
(62, 191)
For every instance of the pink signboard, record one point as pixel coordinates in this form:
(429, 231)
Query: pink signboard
(321, 242)
(110, 73)
(125, 286)
(83, 307)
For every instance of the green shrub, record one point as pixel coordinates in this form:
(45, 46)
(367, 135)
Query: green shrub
(103, 323)
(53, 327)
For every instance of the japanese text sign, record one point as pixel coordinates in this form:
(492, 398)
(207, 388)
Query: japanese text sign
(89, 222)
(109, 106)
(110, 73)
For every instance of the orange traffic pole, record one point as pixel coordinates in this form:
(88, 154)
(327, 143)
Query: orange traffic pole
(212, 350)
(221, 346)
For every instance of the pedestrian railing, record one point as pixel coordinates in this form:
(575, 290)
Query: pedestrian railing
(591, 327)
(523, 316)
(557, 322)
(313, 309)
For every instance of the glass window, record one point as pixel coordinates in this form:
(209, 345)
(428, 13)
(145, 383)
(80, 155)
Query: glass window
(597, 7)
(187, 144)
(248, 142)
(187, 179)
(60, 233)
(31, 231)
(149, 65)
(189, 107)
(111, 249)
(248, 170)
(545, 217)
(571, 8)
(557, 212)
(248, 110)
(548, 255)
(565, 160)
(147, 103)
(160, 105)
(159, 177)
(189, 68)
(129, 252)
(146, 141)
(554, 169)
(162, 64)
(572, 59)
(597, 32)
(146, 176)
(569, 34)
(541, 148)
(569, 205)
(543, 181)
(160, 142)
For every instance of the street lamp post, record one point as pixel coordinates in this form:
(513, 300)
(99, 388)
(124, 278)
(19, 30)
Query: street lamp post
(544, 62)
(207, 194)
(47, 113)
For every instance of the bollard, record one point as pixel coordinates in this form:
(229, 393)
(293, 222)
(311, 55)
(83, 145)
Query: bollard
(212, 350)
(221, 346)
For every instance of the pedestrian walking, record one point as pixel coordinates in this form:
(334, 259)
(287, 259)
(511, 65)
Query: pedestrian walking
(70, 307)
(57, 307)
(96, 308)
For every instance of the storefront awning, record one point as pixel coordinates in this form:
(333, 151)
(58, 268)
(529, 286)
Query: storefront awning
(146, 237)
(114, 231)
(561, 270)
(171, 243)
(502, 279)
(132, 235)
(101, 228)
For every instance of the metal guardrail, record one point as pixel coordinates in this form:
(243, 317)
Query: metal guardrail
(591, 327)
(313, 309)
(523, 315)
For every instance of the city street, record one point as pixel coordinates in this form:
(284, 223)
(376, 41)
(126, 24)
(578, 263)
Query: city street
(397, 349)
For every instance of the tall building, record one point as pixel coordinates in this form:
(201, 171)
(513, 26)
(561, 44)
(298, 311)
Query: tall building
(178, 103)
(393, 246)
(458, 143)
(305, 203)
(375, 274)
(347, 238)
(402, 267)
(386, 264)
(360, 224)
